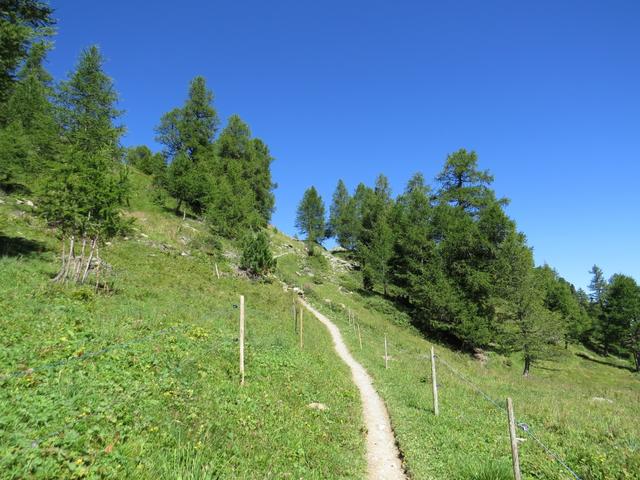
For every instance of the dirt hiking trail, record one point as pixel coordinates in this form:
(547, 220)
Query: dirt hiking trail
(383, 457)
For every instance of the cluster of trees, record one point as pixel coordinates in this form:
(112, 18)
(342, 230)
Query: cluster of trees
(614, 306)
(226, 178)
(454, 259)
(63, 142)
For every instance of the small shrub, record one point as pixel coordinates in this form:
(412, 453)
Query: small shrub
(256, 255)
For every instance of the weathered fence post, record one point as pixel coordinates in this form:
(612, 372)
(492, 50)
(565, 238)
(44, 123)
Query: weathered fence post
(241, 339)
(386, 356)
(359, 337)
(514, 440)
(217, 271)
(434, 382)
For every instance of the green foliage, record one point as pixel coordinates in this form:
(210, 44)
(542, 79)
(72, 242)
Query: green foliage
(449, 258)
(146, 161)
(463, 185)
(310, 217)
(29, 133)
(342, 218)
(188, 134)
(241, 197)
(469, 439)
(374, 247)
(88, 185)
(21, 23)
(256, 255)
(622, 314)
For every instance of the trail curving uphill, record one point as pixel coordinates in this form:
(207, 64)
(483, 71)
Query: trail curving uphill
(383, 457)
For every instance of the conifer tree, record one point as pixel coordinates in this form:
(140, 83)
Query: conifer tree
(310, 218)
(342, 219)
(375, 245)
(146, 161)
(598, 289)
(256, 255)
(88, 185)
(241, 197)
(463, 185)
(29, 137)
(622, 314)
(524, 324)
(188, 134)
(22, 22)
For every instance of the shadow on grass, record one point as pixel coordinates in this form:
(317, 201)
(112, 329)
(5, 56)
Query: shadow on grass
(604, 362)
(179, 214)
(16, 246)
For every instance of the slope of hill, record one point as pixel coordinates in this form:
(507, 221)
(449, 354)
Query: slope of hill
(142, 382)
(583, 407)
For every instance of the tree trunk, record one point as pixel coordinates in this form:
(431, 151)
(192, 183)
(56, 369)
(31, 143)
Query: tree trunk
(637, 355)
(527, 365)
(178, 207)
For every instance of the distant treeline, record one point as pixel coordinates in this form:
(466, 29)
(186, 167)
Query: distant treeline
(455, 260)
(62, 142)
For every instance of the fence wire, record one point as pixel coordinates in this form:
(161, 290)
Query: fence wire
(522, 425)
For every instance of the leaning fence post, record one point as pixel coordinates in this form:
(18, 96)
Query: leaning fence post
(436, 409)
(241, 339)
(514, 440)
(386, 357)
(217, 271)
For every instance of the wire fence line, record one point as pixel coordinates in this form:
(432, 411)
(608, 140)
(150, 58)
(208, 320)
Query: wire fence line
(525, 427)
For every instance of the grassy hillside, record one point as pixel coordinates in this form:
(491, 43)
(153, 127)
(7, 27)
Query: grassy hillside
(143, 382)
(583, 407)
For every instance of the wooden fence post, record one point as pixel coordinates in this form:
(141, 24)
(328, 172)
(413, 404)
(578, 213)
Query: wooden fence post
(241, 339)
(514, 440)
(217, 272)
(434, 382)
(359, 337)
(386, 357)
(301, 333)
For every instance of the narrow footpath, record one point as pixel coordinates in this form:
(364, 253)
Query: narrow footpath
(383, 457)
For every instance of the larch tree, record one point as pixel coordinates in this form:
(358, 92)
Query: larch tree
(622, 315)
(146, 161)
(523, 323)
(187, 134)
(376, 237)
(88, 185)
(29, 133)
(241, 197)
(22, 22)
(598, 292)
(310, 218)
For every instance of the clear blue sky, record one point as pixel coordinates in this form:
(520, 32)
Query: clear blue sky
(547, 93)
